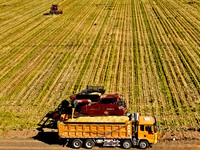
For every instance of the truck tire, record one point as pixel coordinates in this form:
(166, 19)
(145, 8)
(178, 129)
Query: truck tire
(89, 143)
(126, 144)
(76, 143)
(143, 144)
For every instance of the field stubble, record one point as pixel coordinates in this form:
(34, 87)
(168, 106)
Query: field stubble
(145, 50)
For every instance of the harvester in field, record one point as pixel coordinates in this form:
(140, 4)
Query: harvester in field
(54, 10)
(89, 102)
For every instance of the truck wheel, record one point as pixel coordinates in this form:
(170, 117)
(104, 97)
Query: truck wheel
(143, 144)
(127, 144)
(76, 143)
(89, 143)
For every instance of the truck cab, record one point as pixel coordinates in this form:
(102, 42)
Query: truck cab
(147, 134)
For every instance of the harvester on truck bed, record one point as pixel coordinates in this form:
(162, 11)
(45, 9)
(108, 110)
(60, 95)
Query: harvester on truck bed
(126, 131)
(93, 102)
(89, 102)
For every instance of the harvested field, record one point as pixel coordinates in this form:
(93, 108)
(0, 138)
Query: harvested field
(148, 51)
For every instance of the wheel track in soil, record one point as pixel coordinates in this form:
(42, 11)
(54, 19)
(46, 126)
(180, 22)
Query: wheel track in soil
(124, 57)
(71, 34)
(78, 60)
(176, 82)
(190, 37)
(111, 43)
(76, 86)
(143, 43)
(119, 48)
(186, 51)
(11, 54)
(78, 28)
(168, 57)
(22, 37)
(129, 49)
(170, 74)
(175, 74)
(174, 78)
(23, 34)
(41, 38)
(64, 79)
(102, 43)
(133, 104)
(80, 51)
(89, 67)
(8, 25)
(156, 55)
(16, 28)
(100, 48)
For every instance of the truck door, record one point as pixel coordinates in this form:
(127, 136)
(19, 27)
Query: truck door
(146, 132)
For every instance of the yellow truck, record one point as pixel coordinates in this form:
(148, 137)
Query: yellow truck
(126, 131)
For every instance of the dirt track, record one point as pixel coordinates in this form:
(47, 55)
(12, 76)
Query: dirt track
(49, 141)
(31, 144)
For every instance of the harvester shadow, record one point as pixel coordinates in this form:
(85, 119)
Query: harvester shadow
(50, 138)
(46, 14)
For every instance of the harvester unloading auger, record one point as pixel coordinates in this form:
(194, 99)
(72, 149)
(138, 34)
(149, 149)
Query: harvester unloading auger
(89, 102)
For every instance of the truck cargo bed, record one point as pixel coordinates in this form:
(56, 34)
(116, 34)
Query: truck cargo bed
(95, 129)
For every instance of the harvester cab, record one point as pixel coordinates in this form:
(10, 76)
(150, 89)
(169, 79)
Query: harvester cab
(54, 10)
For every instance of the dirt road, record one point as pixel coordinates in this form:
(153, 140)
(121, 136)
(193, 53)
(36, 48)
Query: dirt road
(26, 140)
(31, 144)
